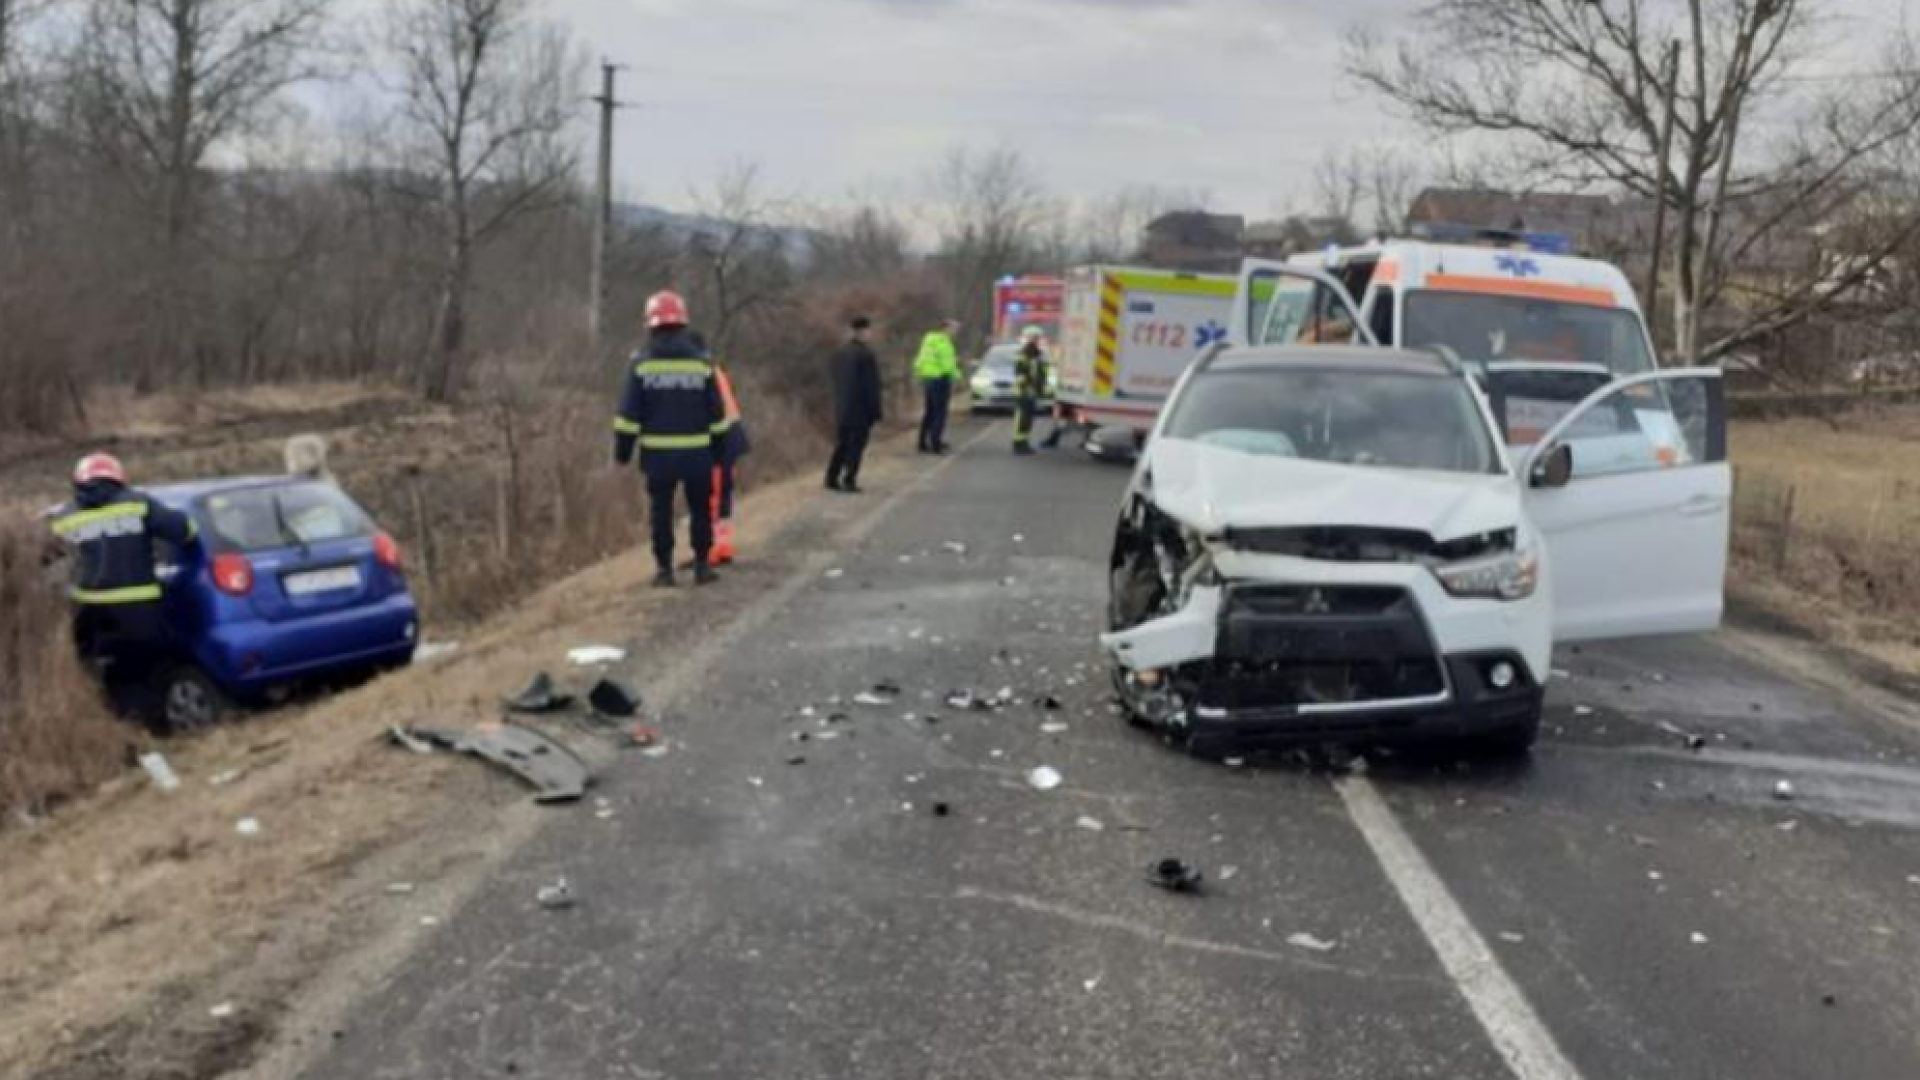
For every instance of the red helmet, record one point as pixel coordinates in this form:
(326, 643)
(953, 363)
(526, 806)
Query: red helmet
(99, 467)
(665, 308)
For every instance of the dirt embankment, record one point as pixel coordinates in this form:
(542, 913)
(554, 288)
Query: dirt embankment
(146, 936)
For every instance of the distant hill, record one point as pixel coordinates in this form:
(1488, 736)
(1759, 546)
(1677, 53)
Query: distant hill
(797, 240)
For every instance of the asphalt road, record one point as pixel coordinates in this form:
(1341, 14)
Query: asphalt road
(757, 906)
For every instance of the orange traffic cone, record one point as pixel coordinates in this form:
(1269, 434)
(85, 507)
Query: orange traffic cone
(722, 526)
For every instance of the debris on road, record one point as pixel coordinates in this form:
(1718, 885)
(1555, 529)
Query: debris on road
(538, 696)
(1583, 710)
(643, 736)
(1091, 824)
(941, 809)
(614, 699)
(222, 779)
(400, 888)
(402, 737)
(556, 896)
(1227, 872)
(553, 771)
(1783, 790)
(1053, 727)
(1512, 938)
(1048, 702)
(882, 694)
(222, 1011)
(594, 655)
(1698, 938)
(955, 546)
(1043, 778)
(247, 826)
(1688, 738)
(1309, 942)
(1174, 876)
(159, 771)
(835, 572)
(966, 700)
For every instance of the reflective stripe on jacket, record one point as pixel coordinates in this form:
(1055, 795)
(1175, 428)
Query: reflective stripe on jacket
(111, 530)
(671, 406)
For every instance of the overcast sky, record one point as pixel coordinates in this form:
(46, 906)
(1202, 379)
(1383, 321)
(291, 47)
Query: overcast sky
(1236, 97)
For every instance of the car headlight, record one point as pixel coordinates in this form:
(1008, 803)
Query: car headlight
(1510, 575)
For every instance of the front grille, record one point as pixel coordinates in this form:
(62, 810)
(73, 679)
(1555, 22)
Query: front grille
(1285, 647)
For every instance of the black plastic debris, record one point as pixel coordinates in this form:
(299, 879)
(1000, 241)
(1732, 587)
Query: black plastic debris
(615, 699)
(1174, 876)
(1048, 702)
(968, 701)
(941, 809)
(539, 696)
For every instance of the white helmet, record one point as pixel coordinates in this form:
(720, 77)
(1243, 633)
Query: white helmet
(1033, 333)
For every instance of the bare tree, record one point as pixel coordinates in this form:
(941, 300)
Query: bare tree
(168, 80)
(1110, 228)
(867, 242)
(487, 93)
(989, 213)
(737, 263)
(1577, 91)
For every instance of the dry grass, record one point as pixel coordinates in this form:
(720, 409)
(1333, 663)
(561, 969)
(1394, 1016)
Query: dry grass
(57, 738)
(1825, 525)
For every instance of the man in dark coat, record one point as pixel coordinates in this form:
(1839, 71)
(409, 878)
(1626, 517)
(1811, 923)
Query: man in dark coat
(854, 373)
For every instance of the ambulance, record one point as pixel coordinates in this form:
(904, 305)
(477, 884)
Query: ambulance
(1126, 337)
(1538, 328)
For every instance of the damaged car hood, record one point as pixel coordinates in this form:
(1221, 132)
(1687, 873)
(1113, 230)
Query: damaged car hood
(1213, 488)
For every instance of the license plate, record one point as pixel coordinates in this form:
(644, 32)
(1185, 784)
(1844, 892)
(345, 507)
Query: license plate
(319, 581)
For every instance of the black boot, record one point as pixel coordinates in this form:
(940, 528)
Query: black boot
(703, 574)
(663, 578)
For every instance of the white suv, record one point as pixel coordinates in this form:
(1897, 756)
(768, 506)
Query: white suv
(1333, 544)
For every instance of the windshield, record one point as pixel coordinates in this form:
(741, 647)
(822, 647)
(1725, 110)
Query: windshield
(1349, 417)
(1480, 328)
(282, 515)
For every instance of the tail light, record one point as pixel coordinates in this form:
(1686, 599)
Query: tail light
(388, 552)
(233, 574)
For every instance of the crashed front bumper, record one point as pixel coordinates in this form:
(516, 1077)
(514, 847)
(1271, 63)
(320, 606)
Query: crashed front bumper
(1305, 650)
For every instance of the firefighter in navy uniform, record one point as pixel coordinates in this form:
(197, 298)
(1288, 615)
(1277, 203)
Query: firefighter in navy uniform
(672, 409)
(119, 628)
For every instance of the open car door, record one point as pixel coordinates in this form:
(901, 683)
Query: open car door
(1282, 304)
(1634, 494)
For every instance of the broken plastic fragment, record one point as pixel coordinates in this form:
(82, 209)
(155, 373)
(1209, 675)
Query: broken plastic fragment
(538, 696)
(1043, 778)
(247, 826)
(590, 655)
(1783, 790)
(835, 572)
(1091, 824)
(221, 1011)
(1053, 727)
(1583, 710)
(613, 698)
(1227, 872)
(1698, 938)
(1174, 876)
(1309, 942)
(159, 771)
(553, 771)
(225, 778)
(955, 546)
(400, 888)
(429, 651)
(556, 896)
(941, 809)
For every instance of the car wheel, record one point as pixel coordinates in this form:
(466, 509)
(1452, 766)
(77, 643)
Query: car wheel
(190, 701)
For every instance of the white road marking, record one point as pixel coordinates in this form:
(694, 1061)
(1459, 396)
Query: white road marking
(1497, 1002)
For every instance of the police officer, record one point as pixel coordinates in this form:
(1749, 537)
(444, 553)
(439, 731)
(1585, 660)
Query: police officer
(1029, 384)
(109, 529)
(938, 368)
(673, 410)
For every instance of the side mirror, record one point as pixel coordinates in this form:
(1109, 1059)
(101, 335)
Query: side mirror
(1554, 468)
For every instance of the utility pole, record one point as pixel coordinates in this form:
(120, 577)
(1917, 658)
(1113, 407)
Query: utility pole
(1670, 71)
(602, 206)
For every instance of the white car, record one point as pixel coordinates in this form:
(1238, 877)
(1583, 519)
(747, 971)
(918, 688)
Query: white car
(1336, 544)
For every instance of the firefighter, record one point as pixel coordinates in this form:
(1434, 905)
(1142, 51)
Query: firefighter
(1029, 384)
(672, 409)
(938, 368)
(854, 373)
(728, 449)
(119, 628)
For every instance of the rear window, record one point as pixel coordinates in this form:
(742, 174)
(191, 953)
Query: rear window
(284, 515)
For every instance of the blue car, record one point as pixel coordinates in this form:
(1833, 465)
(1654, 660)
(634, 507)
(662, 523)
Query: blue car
(291, 583)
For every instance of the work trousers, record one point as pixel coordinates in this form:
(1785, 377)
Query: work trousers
(848, 450)
(933, 419)
(1024, 407)
(695, 478)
